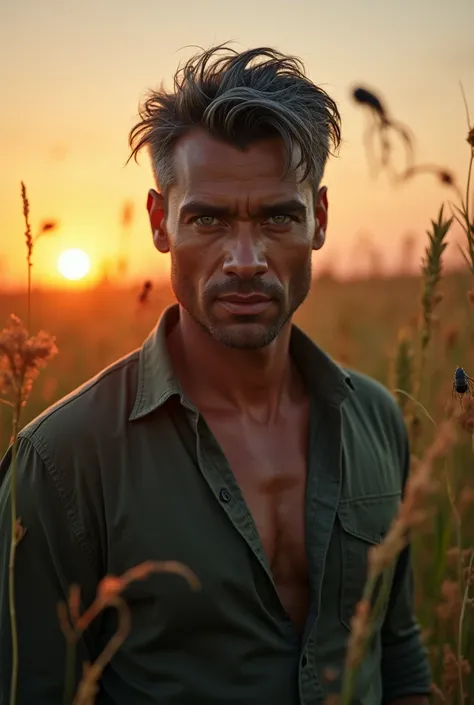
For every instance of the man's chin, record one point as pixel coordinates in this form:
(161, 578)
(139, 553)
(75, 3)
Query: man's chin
(244, 335)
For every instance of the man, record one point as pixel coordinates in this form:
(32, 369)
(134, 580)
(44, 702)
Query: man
(228, 442)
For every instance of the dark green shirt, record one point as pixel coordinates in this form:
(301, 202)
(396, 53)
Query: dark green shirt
(126, 470)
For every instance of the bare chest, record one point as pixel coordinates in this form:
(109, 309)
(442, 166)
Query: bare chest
(270, 466)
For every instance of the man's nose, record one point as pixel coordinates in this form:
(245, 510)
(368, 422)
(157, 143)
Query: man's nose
(245, 256)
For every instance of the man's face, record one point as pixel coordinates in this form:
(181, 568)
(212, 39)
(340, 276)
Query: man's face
(240, 236)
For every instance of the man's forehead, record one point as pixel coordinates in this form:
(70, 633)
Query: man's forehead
(200, 157)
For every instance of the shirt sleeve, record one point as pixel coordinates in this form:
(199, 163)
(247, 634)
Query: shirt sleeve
(405, 664)
(49, 558)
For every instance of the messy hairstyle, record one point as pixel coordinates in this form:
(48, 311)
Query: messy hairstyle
(239, 98)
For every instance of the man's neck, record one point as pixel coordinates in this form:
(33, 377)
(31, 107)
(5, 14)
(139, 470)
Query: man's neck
(214, 377)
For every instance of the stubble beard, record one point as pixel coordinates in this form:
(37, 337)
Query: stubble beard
(246, 332)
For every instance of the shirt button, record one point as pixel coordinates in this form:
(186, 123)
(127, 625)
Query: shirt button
(224, 495)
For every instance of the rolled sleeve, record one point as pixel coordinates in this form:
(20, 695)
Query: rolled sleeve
(405, 664)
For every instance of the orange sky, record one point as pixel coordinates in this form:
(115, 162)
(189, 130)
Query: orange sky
(72, 74)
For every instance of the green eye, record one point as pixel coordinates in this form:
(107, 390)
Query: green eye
(280, 219)
(206, 220)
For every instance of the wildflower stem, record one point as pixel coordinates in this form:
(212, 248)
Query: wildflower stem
(457, 521)
(70, 672)
(28, 320)
(460, 630)
(469, 226)
(468, 185)
(7, 403)
(356, 654)
(29, 248)
(11, 565)
(415, 401)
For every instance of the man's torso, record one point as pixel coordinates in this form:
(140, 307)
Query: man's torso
(148, 478)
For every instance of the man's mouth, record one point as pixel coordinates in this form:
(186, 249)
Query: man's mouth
(245, 304)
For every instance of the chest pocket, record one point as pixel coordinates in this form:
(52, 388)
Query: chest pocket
(363, 523)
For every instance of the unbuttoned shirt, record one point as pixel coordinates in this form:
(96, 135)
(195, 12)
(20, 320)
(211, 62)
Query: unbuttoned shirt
(125, 470)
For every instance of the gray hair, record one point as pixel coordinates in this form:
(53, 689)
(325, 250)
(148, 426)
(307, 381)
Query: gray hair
(240, 98)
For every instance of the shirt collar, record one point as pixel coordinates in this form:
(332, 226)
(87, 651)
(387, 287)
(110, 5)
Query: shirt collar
(157, 381)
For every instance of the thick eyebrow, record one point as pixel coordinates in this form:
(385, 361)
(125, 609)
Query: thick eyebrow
(292, 205)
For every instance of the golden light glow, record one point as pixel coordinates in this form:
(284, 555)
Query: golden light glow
(74, 264)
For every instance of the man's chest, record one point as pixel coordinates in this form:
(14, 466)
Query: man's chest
(270, 465)
(225, 503)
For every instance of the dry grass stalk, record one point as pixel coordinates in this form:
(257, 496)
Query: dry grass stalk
(412, 513)
(21, 358)
(383, 126)
(126, 223)
(464, 216)
(466, 418)
(431, 271)
(109, 594)
(432, 265)
(402, 371)
(47, 226)
(29, 246)
(144, 295)
(456, 668)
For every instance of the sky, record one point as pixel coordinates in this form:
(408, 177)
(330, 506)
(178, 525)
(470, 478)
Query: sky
(72, 75)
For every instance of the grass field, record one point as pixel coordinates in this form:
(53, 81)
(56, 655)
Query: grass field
(357, 322)
(409, 333)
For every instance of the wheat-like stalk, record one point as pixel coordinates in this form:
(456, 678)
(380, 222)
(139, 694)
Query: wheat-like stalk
(407, 381)
(109, 592)
(403, 371)
(47, 226)
(21, 358)
(411, 514)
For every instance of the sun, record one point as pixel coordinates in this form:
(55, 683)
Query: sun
(74, 264)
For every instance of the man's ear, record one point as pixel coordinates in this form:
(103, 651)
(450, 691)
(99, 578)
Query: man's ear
(321, 218)
(155, 206)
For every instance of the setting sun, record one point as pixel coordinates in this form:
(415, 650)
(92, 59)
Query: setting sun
(74, 264)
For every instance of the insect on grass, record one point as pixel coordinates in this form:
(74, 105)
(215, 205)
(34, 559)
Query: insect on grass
(462, 384)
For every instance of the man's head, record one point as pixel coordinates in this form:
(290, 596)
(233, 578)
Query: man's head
(238, 151)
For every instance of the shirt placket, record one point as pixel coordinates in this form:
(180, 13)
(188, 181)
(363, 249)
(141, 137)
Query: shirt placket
(221, 480)
(322, 499)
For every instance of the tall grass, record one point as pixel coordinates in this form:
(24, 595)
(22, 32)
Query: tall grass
(22, 356)
(409, 381)
(441, 430)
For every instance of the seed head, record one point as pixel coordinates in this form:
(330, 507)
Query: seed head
(365, 97)
(21, 358)
(26, 214)
(470, 137)
(446, 177)
(432, 269)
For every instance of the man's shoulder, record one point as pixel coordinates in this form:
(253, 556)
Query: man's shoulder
(370, 391)
(99, 403)
(372, 403)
